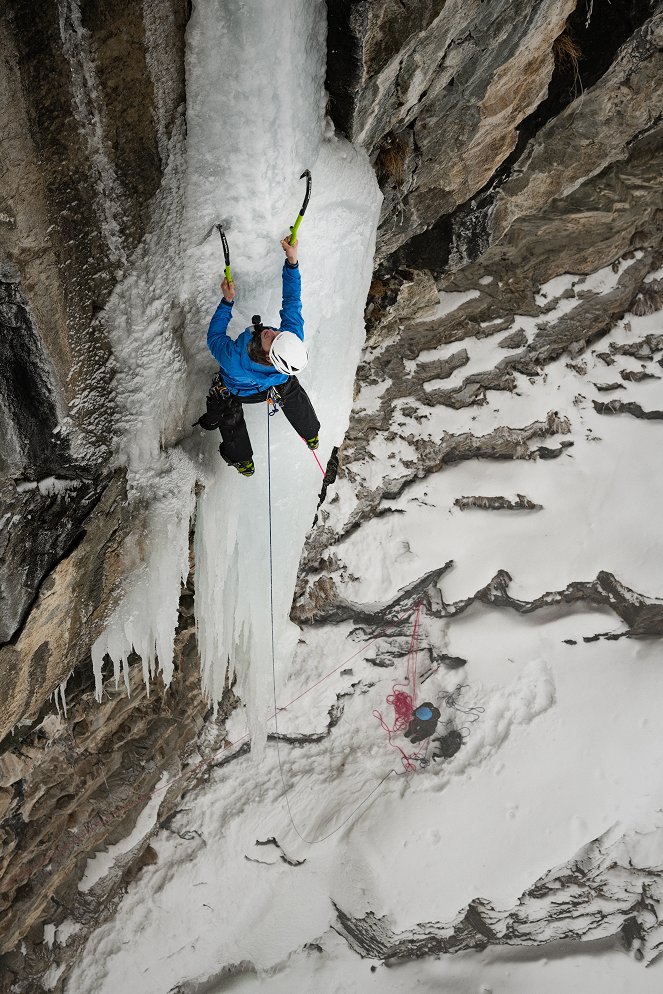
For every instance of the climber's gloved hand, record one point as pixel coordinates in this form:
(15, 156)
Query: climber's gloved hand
(228, 290)
(290, 250)
(423, 722)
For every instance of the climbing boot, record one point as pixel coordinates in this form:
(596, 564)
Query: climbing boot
(312, 443)
(245, 466)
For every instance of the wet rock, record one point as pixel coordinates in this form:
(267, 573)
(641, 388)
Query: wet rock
(637, 375)
(606, 387)
(44, 520)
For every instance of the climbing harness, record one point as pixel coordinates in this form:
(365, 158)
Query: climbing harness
(274, 402)
(218, 388)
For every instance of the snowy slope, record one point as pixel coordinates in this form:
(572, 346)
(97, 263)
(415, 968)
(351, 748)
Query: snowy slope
(562, 764)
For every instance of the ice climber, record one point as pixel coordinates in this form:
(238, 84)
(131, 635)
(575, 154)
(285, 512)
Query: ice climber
(260, 364)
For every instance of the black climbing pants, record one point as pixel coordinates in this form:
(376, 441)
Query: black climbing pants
(224, 411)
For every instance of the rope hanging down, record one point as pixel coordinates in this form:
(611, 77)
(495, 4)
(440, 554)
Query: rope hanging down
(323, 838)
(417, 724)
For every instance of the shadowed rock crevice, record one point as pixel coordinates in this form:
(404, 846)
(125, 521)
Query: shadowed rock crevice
(521, 503)
(28, 414)
(626, 407)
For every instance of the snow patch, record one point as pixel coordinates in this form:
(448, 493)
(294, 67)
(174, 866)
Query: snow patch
(100, 864)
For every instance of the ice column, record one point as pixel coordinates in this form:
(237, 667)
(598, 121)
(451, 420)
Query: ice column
(255, 120)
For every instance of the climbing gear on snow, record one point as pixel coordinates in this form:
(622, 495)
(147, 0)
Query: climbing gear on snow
(288, 353)
(295, 227)
(312, 443)
(226, 252)
(423, 722)
(362, 802)
(449, 698)
(402, 699)
(447, 745)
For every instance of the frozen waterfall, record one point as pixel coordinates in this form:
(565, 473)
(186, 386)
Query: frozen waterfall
(255, 120)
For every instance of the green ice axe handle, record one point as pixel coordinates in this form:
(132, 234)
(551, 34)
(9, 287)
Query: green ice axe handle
(295, 228)
(307, 197)
(226, 252)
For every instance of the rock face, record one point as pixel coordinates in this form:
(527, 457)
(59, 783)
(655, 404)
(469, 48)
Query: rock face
(82, 158)
(457, 104)
(90, 96)
(520, 142)
(68, 788)
(513, 142)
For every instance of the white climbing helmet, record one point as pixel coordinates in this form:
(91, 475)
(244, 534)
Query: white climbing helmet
(288, 353)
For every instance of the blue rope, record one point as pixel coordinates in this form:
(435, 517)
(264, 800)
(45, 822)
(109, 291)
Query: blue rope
(309, 842)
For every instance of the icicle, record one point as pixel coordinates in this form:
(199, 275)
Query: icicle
(146, 616)
(156, 321)
(62, 689)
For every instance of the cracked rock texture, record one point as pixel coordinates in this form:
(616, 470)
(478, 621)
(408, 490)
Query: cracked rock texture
(561, 161)
(559, 906)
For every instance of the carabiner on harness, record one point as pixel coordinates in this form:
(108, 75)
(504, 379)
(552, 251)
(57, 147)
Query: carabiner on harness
(274, 400)
(218, 388)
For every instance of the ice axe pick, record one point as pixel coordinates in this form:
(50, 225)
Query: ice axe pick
(226, 252)
(307, 197)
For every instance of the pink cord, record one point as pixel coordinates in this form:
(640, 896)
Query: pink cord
(315, 456)
(403, 701)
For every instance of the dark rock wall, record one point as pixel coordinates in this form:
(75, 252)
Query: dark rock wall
(90, 95)
(448, 102)
(78, 104)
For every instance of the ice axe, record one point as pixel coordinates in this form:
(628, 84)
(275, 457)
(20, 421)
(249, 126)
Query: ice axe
(295, 227)
(226, 251)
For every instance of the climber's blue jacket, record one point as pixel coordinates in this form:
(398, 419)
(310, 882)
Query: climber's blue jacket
(240, 373)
